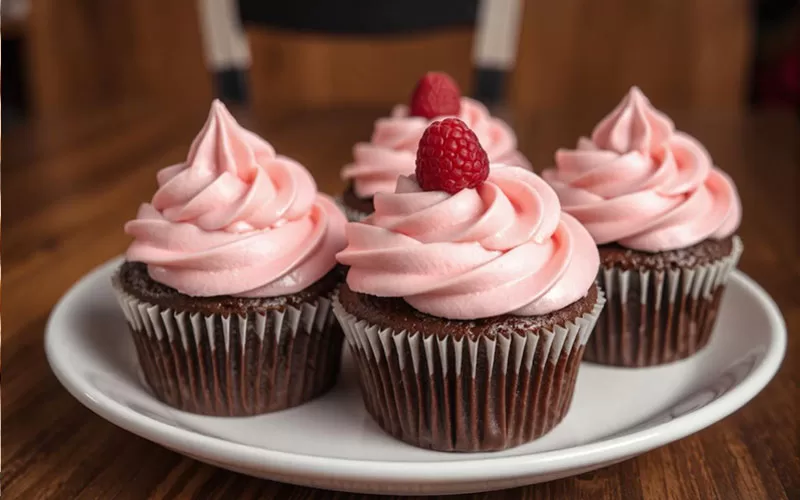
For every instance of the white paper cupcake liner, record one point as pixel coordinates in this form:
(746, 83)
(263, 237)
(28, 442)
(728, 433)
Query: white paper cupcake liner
(467, 394)
(235, 365)
(656, 317)
(352, 214)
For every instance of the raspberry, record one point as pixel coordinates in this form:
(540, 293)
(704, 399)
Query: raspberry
(436, 94)
(450, 158)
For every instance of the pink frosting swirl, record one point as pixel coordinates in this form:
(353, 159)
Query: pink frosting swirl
(235, 219)
(504, 247)
(644, 185)
(392, 150)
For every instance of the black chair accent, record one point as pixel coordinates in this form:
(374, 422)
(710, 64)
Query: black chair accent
(374, 17)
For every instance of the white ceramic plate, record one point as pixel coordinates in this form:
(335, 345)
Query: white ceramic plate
(332, 443)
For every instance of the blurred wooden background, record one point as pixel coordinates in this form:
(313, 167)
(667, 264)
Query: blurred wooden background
(91, 53)
(572, 54)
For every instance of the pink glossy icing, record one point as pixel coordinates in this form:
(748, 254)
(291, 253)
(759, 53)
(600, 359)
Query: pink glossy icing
(644, 185)
(235, 219)
(392, 150)
(504, 247)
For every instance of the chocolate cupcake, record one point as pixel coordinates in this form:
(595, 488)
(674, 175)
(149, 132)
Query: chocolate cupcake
(391, 151)
(468, 303)
(664, 220)
(228, 283)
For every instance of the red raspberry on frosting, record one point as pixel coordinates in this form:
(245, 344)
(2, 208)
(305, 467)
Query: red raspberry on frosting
(450, 158)
(436, 94)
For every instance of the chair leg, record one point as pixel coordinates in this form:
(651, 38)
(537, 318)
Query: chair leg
(226, 50)
(495, 47)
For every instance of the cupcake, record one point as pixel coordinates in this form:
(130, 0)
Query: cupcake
(392, 149)
(469, 300)
(227, 285)
(664, 218)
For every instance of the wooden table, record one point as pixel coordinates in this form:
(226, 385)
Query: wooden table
(67, 190)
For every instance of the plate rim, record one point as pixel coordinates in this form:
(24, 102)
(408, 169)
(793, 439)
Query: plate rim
(264, 461)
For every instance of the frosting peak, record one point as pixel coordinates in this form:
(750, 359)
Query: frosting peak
(392, 148)
(233, 181)
(634, 125)
(236, 219)
(644, 185)
(501, 248)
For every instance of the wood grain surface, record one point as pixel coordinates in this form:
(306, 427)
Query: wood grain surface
(86, 53)
(572, 53)
(69, 187)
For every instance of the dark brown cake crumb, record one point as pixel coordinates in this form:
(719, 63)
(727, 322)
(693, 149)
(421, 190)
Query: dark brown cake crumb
(397, 314)
(136, 281)
(352, 201)
(705, 252)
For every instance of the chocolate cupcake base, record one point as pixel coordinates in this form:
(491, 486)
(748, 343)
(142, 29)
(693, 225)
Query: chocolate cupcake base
(356, 209)
(467, 386)
(229, 356)
(661, 307)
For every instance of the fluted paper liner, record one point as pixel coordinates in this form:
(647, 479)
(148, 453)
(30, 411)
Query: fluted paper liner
(656, 317)
(352, 214)
(235, 365)
(467, 394)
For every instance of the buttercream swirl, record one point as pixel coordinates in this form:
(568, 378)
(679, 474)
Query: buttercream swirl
(644, 185)
(392, 150)
(236, 219)
(504, 247)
